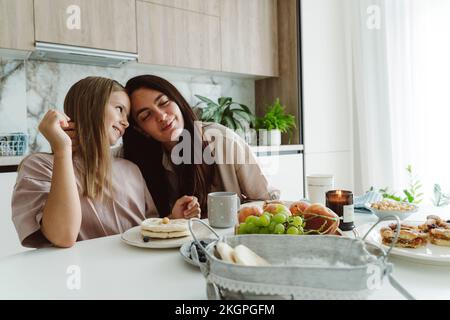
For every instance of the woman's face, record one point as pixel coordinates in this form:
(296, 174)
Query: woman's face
(156, 115)
(117, 111)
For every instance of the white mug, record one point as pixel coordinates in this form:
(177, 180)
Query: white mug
(317, 186)
(223, 209)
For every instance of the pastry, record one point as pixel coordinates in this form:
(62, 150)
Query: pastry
(409, 237)
(440, 237)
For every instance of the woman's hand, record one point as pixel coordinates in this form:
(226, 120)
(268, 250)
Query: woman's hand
(185, 208)
(52, 126)
(72, 133)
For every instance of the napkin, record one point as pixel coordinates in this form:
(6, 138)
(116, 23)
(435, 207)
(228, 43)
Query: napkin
(370, 196)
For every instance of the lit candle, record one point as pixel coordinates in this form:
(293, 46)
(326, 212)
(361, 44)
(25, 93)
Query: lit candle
(341, 203)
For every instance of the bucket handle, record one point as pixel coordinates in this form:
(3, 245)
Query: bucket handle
(190, 224)
(394, 283)
(397, 232)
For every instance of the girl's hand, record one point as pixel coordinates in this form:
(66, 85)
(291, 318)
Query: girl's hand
(185, 208)
(72, 133)
(51, 127)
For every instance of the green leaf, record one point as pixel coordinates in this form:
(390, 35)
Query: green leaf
(238, 125)
(409, 196)
(391, 196)
(228, 122)
(217, 117)
(243, 114)
(409, 168)
(208, 113)
(276, 118)
(224, 101)
(246, 109)
(228, 113)
(206, 100)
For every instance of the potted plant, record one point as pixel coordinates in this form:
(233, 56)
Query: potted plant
(229, 113)
(273, 124)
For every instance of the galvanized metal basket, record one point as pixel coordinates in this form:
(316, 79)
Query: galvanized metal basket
(302, 267)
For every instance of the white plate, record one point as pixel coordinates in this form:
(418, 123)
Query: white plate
(430, 254)
(133, 237)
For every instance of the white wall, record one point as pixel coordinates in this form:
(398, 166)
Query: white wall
(326, 99)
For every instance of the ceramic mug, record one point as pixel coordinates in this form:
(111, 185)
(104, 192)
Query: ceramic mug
(223, 209)
(317, 185)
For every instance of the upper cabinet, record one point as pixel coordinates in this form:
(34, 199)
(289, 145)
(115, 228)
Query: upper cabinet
(249, 36)
(210, 7)
(238, 36)
(16, 24)
(177, 37)
(101, 24)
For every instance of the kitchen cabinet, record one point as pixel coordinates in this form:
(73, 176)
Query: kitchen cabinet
(176, 37)
(210, 7)
(100, 24)
(249, 36)
(284, 170)
(287, 85)
(16, 24)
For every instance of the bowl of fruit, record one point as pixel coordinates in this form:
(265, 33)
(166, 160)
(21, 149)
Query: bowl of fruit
(300, 218)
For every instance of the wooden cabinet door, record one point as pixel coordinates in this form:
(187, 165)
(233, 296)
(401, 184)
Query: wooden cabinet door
(210, 7)
(175, 37)
(249, 36)
(101, 24)
(16, 24)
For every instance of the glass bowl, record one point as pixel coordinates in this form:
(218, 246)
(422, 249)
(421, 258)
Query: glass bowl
(401, 214)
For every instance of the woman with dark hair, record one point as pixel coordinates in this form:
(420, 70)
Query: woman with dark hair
(160, 120)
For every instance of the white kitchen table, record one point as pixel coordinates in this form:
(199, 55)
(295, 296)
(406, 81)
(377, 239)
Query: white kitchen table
(111, 269)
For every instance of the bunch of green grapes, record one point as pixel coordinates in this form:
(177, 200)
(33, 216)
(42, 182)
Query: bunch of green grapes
(267, 223)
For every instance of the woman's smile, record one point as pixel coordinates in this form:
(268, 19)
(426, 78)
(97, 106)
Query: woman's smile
(168, 125)
(118, 131)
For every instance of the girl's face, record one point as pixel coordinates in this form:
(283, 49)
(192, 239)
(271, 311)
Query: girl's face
(156, 115)
(116, 114)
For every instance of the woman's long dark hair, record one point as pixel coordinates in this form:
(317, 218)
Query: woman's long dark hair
(146, 152)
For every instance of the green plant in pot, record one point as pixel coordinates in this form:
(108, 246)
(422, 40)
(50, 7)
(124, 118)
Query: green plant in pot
(273, 124)
(227, 112)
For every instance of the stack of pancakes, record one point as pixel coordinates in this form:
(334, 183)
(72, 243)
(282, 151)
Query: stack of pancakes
(164, 228)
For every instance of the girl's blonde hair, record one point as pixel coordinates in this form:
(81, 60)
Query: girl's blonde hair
(85, 104)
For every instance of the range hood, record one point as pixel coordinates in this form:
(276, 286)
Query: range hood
(80, 55)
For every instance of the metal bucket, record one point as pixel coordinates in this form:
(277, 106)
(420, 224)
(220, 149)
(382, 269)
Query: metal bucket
(301, 267)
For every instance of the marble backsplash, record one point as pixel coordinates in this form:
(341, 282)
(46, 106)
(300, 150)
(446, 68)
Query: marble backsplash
(29, 88)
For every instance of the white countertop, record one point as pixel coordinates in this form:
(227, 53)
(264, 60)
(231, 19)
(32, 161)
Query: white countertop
(111, 269)
(10, 161)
